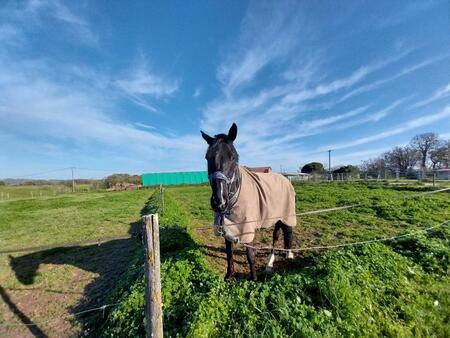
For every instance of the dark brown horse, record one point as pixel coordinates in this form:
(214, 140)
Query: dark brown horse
(225, 178)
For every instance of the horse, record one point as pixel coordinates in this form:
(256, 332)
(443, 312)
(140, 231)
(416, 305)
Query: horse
(244, 201)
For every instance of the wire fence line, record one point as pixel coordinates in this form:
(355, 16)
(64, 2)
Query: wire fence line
(385, 239)
(102, 240)
(320, 211)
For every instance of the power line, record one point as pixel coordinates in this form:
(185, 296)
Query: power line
(40, 173)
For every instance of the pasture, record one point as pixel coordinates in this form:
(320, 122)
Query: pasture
(393, 288)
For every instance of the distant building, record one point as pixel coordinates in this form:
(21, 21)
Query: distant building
(175, 178)
(442, 174)
(260, 169)
(296, 176)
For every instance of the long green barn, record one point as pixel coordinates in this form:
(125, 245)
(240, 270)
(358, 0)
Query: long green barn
(174, 178)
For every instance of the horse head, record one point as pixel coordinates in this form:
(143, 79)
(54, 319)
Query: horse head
(223, 168)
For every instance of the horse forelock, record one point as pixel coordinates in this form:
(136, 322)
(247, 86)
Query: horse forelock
(220, 141)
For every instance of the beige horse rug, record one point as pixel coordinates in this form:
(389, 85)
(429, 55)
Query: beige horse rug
(263, 200)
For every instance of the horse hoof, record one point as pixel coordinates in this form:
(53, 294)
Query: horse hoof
(269, 269)
(253, 278)
(229, 276)
(290, 255)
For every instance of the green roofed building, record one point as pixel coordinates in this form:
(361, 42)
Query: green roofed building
(178, 178)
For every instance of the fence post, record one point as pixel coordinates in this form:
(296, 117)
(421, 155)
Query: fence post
(153, 299)
(434, 179)
(161, 198)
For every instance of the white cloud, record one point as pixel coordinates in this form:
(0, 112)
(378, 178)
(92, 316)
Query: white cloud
(437, 95)
(28, 16)
(141, 84)
(197, 92)
(268, 33)
(142, 81)
(381, 82)
(34, 105)
(412, 124)
(145, 126)
(11, 35)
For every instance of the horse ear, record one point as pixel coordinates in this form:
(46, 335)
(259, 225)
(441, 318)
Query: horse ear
(232, 133)
(207, 138)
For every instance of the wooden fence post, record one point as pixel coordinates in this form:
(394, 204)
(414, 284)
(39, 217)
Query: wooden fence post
(153, 299)
(161, 198)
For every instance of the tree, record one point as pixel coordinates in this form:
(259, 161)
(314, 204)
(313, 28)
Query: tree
(347, 169)
(401, 159)
(111, 180)
(313, 168)
(374, 167)
(440, 156)
(424, 143)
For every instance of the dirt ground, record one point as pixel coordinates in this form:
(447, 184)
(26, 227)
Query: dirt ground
(59, 281)
(214, 249)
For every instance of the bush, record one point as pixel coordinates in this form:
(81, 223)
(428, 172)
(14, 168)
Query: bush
(313, 168)
(112, 180)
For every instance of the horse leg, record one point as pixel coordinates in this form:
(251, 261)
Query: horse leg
(251, 262)
(230, 261)
(275, 236)
(287, 235)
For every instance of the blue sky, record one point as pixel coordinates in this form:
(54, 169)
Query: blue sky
(126, 86)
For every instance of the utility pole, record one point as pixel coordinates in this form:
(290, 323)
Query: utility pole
(329, 165)
(73, 181)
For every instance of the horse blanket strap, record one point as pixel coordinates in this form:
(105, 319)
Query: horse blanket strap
(220, 230)
(263, 200)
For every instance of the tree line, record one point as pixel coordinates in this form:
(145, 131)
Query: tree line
(424, 151)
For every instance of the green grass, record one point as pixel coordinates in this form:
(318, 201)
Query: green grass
(398, 288)
(57, 282)
(70, 217)
(14, 192)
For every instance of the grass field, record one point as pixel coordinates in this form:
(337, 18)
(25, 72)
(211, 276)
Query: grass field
(14, 192)
(48, 284)
(397, 288)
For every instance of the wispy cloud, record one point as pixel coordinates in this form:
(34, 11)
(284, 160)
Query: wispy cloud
(197, 92)
(411, 9)
(142, 84)
(378, 83)
(437, 95)
(145, 126)
(272, 115)
(11, 35)
(267, 35)
(338, 84)
(412, 124)
(27, 16)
